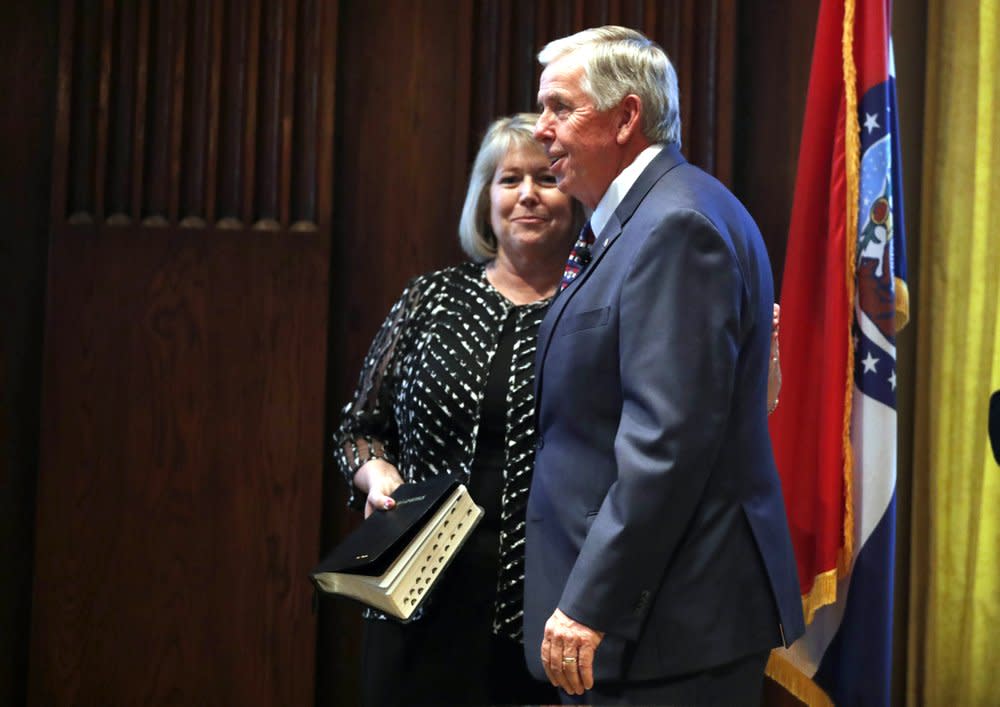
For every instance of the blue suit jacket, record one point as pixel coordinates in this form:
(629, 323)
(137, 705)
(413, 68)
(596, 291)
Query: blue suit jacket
(655, 511)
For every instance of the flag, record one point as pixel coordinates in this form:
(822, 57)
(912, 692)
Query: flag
(843, 298)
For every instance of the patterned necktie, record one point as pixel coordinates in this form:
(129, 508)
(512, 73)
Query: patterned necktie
(579, 256)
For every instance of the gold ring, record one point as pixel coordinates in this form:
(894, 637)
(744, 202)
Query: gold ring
(567, 661)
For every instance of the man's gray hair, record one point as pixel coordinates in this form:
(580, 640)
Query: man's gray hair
(503, 135)
(618, 61)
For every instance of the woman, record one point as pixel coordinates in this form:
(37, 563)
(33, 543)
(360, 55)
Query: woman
(447, 388)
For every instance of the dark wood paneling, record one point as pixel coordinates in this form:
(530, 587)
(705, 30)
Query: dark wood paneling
(404, 92)
(208, 113)
(698, 35)
(771, 84)
(232, 38)
(197, 114)
(268, 132)
(136, 180)
(121, 134)
(165, 34)
(185, 361)
(182, 440)
(86, 24)
(28, 60)
(304, 136)
(252, 60)
(403, 124)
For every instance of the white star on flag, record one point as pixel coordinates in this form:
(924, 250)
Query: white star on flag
(871, 122)
(892, 380)
(869, 363)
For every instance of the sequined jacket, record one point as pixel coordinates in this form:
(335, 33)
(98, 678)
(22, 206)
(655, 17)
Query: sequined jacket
(417, 402)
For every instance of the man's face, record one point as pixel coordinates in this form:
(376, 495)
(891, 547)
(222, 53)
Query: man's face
(579, 139)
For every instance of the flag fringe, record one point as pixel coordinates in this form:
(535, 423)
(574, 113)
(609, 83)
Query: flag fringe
(852, 151)
(785, 673)
(823, 592)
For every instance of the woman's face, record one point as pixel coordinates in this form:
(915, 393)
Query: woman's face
(527, 210)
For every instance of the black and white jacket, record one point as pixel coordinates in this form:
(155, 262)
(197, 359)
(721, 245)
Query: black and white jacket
(417, 403)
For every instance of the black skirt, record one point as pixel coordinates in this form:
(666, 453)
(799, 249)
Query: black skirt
(451, 656)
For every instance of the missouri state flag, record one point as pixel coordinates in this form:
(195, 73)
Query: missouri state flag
(843, 299)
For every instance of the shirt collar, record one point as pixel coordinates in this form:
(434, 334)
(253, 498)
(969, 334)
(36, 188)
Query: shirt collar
(620, 186)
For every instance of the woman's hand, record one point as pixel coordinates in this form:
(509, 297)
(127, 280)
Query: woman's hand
(377, 478)
(774, 367)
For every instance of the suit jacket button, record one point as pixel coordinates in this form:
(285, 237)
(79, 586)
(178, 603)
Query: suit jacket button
(540, 442)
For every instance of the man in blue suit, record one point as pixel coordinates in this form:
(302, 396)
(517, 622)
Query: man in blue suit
(659, 567)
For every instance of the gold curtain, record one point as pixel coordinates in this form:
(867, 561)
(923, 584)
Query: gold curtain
(954, 638)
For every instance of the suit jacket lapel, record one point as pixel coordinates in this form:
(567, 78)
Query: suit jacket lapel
(669, 157)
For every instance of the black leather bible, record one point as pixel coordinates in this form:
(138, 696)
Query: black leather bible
(394, 558)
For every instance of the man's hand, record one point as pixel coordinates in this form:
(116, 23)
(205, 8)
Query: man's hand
(568, 653)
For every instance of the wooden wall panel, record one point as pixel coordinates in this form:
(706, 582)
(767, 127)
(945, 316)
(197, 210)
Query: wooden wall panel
(185, 360)
(772, 81)
(404, 91)
(699, 36)
(181, 449)
(195, 108)
(28, 60)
